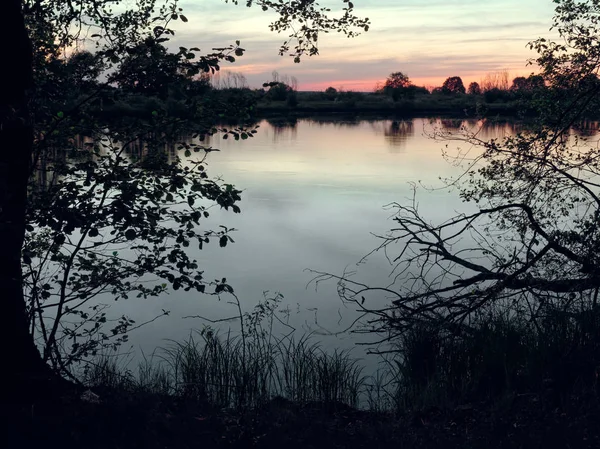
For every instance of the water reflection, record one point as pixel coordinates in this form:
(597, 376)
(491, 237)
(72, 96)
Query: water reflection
(284, 128)
(587, 128)
(313, 192)
(336, 121)
(397, 133)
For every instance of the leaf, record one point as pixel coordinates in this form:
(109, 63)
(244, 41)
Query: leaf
(223, 241)
(239, 52)
(60, 114)
(93, 232)
(183, 18)
(130, 234)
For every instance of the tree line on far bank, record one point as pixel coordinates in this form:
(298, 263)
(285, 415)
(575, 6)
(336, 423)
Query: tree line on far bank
(495, 86)
(152, 80)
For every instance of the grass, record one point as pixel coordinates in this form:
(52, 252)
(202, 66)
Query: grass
(230, 372)
(554, 356)
(502, 382)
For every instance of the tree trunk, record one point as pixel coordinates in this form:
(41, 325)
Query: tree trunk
(21, 361)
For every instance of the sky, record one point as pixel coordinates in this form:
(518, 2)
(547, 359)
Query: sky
(429, 40)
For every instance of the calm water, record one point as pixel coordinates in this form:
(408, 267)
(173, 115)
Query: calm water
(313, 196)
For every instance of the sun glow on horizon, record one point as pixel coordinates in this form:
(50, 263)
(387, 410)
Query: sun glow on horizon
(428, 41)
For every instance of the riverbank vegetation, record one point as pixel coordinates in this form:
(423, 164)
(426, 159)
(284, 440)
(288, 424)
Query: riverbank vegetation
(280, 99)
(508, 383)
(505, 354)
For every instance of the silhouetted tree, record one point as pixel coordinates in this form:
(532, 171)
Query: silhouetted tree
(54, 25)
(331, 93)
(495, 80)
(529, 84)
(474, 89)
(22, 360)
(83, 70)
(529, 242)
(398, 86)
(453, 85)
(278, 91)
(519, 83)
(494, 94)
(397, 80)
(149, 69)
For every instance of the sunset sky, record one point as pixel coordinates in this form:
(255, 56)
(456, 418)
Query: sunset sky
(427, 40)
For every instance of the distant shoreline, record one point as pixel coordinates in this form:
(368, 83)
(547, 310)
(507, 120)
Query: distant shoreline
(401, 109)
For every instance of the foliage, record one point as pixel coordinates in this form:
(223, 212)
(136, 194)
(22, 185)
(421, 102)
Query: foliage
(241, 372)
(397, 80)
(474, 89)
(498, 356)
(114, 217)
(278, 91)
(398, 86)
(150, 69)
(530, 238)
(453, 85)
(494, 95)
(529, 84)
(331, 93)
(292, 99)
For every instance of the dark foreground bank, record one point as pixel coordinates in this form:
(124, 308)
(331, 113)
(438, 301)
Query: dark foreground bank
(115, 419)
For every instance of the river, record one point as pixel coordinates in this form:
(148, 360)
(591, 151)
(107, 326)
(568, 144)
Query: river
(314, 197)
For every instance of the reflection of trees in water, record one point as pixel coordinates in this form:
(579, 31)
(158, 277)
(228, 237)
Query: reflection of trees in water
(485, 128)
(336, 121)
(46, 161)
(284, 128)
(45, 174)
(586, 128)
(452, 124)
(398, 132)
(139, 148)
(81, 148)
